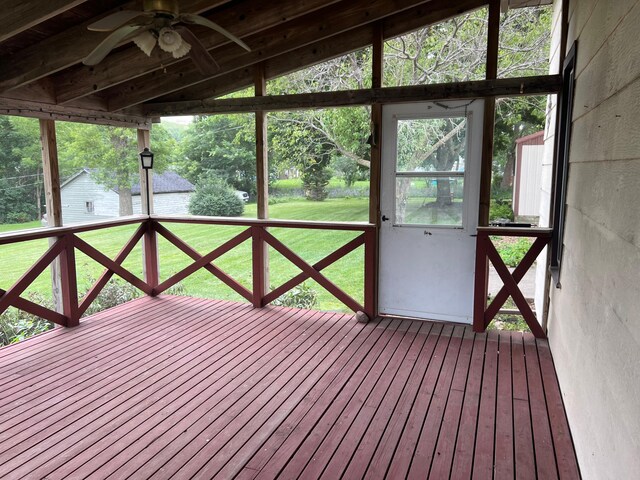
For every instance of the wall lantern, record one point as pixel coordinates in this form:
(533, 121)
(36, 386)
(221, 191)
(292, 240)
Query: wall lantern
(146, 160)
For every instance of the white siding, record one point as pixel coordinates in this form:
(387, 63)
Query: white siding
(529, 184)
(81, 190)
(594, 319)
(166, 203)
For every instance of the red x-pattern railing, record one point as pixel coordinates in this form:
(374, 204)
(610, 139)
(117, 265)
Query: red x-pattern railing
(66, 241)
(486, 250)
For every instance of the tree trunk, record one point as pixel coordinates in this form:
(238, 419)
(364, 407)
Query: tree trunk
(507, 177)
(444, 192)
(125, 202)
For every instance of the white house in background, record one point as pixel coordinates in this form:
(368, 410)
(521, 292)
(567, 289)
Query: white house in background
(85, 200)
(528, 176)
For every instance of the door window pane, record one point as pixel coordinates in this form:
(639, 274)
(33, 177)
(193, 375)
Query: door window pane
(429, 200)
(432, 144)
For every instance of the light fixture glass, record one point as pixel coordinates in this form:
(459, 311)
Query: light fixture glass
(146, 158)
(145, 42)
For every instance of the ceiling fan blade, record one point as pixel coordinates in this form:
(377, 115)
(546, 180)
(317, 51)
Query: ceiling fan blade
(199, 20)
(199, 54)
(101, 51)
(115, 20)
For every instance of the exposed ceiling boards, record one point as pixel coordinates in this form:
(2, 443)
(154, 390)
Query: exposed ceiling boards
(41, 55)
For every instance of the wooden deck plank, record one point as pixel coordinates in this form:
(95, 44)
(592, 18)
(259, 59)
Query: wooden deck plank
(542, 441)
(306, 427)
(103, 408)
(445, 446)
(408, 440)
(523, 440)
(400, 416)
(284, 380)
(214, 370)
(307, 412)
(562, 442)
(174, 387)
(485, 434)
(424, 452)
(367, 441)
(503, 460)
(336, 450)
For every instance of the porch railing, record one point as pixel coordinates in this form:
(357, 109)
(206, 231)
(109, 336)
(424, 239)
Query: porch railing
(485, 252)
(64, 241)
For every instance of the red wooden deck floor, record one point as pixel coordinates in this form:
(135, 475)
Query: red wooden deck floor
(176, 387)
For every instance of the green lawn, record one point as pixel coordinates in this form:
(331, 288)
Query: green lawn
(311, 245)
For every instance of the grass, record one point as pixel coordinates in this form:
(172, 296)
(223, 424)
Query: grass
(296, 183)
(311, 245)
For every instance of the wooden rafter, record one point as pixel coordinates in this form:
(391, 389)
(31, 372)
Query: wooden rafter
(276, 41)
(326, 49)
(21, 15)
(248, 18)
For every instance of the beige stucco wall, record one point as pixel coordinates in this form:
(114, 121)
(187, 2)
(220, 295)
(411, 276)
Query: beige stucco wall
(594, 319)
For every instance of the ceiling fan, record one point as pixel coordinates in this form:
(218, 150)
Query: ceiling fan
(159, 23)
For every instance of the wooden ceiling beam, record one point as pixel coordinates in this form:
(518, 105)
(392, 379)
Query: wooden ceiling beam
(242, 19)
(277, 41)
(323, 50)
(68, 47)
(502, 87)
(24, 108)
(19, 15)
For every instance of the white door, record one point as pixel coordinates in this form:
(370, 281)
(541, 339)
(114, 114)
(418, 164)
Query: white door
(429, 206)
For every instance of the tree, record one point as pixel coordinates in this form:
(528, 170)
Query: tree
(112, 155)
(222, 146)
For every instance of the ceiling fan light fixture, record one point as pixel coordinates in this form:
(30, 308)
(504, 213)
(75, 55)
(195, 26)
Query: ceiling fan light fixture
(169, 40)
(145, 42)
(182, 50)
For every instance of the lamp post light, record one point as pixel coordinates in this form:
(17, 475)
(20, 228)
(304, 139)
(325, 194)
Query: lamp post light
(146, 160)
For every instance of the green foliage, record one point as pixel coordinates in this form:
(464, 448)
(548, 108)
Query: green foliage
(315, 178)
(512, 250)
(222, 146)
(301, 296)
(214, 197)
(500, 210)
(16, 325)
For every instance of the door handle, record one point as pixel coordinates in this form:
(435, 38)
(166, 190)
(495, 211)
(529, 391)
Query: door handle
(384, 218)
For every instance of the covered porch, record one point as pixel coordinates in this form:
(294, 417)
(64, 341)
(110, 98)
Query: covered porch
(178, 387)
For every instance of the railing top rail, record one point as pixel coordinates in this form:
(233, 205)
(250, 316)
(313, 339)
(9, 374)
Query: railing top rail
(47, 232)
(515, 231)
(251, 222)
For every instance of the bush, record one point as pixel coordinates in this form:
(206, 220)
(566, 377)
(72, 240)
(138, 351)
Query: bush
(500, 210)
(512, 250)
(302, 296)
(214, 197)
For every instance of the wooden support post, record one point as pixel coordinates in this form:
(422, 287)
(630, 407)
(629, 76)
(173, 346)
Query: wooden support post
(481, 284)
(262, 167)
(370, 273)
(371, 243)
(68, 281)
(150, 267)
(258, 255)
(51, 175)
(489, 113)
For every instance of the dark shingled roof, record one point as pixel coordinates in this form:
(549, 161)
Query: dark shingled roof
(167, 182)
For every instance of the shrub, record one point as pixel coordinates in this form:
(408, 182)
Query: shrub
(512, 250)
(214, 197)
(302, 296)
(315, 179)
(500, 210)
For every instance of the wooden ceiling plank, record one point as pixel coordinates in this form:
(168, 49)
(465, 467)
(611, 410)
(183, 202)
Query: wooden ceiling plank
(277, 41)
(502, 87)
(19, 15)
(323, 50)
(243, 19)
(68, 48)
